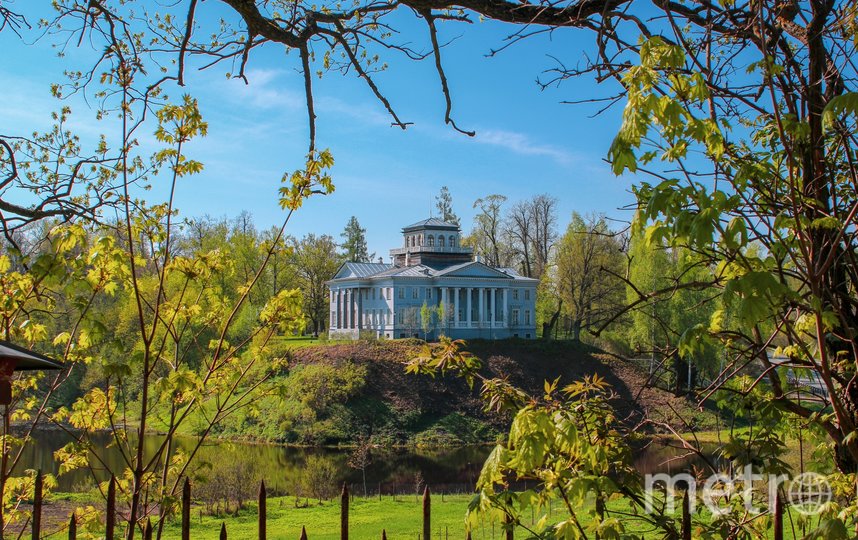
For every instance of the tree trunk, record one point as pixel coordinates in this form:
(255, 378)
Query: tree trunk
(547, 327)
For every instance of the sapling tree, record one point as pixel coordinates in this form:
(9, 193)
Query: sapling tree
(427, 315)
(361, 457)
(182, 363)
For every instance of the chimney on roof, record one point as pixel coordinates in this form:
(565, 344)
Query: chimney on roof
(380, 260)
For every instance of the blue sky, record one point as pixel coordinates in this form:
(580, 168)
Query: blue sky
(527, 143)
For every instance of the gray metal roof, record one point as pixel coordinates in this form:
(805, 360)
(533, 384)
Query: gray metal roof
(408, 271)
(363, 270)
(433, 223)
(514, 273)
(380, 270)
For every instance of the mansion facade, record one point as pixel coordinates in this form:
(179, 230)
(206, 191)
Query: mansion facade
(432, 287)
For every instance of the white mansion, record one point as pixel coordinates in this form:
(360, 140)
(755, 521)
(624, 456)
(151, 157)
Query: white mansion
(465, 298)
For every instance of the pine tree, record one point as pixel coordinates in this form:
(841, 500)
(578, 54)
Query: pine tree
(354, 242)
(444, 204)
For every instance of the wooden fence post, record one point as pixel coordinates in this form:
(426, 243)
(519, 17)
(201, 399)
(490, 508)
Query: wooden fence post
(222, 530)
(344, 513)
(778, 518)
(383, 534)
(72, 527)
(686, 517)
(468, 536)
(303, 533)
(110, 518)
(186, 509)
(37, 506)
(427, 513)
(263, 510)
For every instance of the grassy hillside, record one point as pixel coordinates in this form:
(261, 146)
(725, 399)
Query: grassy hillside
(338, 391)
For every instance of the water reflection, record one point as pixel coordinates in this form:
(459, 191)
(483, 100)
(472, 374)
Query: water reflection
(398, 470)
(664, 455)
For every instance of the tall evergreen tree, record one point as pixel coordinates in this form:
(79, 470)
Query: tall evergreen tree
(444, 204)
(354, 242)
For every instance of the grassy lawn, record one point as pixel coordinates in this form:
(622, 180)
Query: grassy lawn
(297, 342)
(400, 518)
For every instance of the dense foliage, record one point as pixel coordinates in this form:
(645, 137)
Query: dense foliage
(741, 114)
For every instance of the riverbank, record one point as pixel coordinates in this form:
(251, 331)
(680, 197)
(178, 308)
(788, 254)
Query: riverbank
(333, 392)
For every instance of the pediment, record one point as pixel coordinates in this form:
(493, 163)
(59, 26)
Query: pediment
(344, 272)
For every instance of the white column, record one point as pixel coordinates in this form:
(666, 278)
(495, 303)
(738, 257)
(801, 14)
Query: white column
(505, 317)
(456, 306)
(492, 308)
(444, 301)
(351, 308)
(339, 307)
(480, 311)
(349, 315)
(360, 309)
(468, 306)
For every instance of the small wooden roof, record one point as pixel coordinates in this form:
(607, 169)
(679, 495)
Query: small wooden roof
(26, 359)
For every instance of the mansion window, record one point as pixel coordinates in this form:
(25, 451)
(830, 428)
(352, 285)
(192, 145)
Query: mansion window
(452, 241)
(440, 241)
(514, 317)
(428, 293)
(515, 294)
(401, 292)
(415, 292)
(388, 292)
(431, 241)
(527, 294)
(527, 317)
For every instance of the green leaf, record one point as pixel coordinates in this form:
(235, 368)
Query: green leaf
(843, 104)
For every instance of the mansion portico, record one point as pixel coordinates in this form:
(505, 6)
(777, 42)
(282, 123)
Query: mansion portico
(463, 298)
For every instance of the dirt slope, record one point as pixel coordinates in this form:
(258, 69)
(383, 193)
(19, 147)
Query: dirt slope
(446, 407)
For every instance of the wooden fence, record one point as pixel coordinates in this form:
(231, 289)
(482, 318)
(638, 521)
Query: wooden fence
(110, 519)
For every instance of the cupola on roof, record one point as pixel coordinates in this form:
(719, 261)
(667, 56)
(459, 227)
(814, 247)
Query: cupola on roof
(431, 223)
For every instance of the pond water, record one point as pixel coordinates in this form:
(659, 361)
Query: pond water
(398, 470)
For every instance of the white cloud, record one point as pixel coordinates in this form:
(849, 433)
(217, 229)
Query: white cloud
(265, 89)
(522, 144)
(366, 113)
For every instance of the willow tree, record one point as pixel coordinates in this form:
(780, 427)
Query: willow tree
(589, 259)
